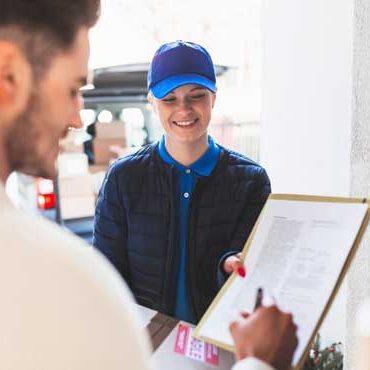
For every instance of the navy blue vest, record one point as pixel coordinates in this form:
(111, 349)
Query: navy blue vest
(135, 218)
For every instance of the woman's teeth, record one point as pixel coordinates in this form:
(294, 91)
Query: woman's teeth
(184, 123)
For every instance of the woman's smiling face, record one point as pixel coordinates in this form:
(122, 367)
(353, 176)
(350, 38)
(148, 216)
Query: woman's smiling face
(185, 112)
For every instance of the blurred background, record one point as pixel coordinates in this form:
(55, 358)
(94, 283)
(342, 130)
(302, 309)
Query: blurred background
(130, 33)
(294, 88)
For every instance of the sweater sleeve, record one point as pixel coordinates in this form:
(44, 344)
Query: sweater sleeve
(251, 363)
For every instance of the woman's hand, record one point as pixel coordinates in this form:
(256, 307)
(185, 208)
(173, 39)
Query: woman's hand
(234, 264)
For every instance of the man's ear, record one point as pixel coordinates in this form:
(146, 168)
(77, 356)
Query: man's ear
(15, 79)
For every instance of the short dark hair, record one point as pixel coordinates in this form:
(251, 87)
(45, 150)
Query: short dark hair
(42, 27)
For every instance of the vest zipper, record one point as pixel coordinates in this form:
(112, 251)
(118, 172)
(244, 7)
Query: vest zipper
(189, 270)
(168, 294)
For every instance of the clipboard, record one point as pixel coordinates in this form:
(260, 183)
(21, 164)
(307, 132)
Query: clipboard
(335, 289)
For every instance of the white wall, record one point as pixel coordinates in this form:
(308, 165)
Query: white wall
(306, 105)
(306, 95)
(359, 274)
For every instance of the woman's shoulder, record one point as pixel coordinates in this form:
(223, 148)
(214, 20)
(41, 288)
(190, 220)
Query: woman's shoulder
(240, 165)
(134, 169)
(135, 162)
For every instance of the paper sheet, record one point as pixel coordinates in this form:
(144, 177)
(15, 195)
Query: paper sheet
(297, 255)
(145, 315)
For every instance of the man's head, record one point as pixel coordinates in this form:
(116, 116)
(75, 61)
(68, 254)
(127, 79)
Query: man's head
(43, 63)
(182, 89)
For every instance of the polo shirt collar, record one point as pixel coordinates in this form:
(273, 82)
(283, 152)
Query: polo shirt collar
(202, 166)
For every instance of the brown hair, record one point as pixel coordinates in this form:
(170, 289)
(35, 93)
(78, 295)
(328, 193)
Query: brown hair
(44, 27)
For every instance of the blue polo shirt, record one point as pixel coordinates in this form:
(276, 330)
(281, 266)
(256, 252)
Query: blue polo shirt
(186, 178)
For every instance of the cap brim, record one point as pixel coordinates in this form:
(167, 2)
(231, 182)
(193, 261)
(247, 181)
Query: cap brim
(164, 87)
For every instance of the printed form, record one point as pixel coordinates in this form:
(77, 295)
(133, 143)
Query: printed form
(297, 254)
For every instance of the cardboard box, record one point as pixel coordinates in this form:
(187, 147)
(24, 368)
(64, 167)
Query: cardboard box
(112, 130)
(95, 168)
(78, 186)
(98, 179)
(73, 142)
(165, 336)
(98, 174)
(72, 148)
(72, 164)
(102, 153)
(77, 207)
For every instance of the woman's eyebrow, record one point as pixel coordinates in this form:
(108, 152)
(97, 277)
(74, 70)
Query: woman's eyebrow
(197, 88)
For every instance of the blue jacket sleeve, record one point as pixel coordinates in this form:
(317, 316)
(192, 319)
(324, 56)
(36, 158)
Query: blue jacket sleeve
(252, 208)
(110, 225)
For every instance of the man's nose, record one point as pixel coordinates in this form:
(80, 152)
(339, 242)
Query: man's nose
(76, 121)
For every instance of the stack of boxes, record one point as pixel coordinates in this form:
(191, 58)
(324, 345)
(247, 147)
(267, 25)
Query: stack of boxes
(76, 188)
(73, 142)
(79, 183)
(108, 135)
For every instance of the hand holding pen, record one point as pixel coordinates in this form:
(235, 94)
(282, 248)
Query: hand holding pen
(259, 299)
(267, 334)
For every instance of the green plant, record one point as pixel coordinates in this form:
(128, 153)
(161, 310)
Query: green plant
(329, 358)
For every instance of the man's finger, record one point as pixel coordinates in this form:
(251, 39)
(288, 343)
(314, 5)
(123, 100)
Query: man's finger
(245, 315)
(233, 325)
(268, 300)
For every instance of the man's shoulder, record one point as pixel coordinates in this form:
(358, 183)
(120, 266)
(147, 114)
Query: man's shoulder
(41, 241)
(47, 254)
(65, 287)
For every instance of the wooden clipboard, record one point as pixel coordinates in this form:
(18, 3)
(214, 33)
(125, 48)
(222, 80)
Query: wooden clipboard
(347, 264)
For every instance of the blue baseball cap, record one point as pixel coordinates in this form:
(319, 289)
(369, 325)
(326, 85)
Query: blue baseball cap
(180, 63)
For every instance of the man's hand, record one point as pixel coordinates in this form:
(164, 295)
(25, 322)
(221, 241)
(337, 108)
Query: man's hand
(268, 335)
(234, 264)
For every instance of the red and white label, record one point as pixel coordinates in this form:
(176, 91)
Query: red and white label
(194, 348)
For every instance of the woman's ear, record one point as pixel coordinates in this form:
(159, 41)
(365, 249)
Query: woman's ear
(213, 99)
(152, 102)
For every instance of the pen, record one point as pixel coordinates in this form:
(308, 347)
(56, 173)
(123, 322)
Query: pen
(259, 298)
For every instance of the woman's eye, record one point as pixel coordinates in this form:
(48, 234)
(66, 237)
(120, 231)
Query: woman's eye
(168, 100)
(198, 96)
